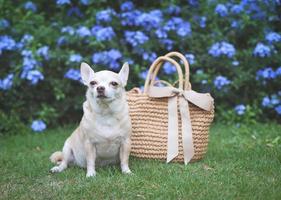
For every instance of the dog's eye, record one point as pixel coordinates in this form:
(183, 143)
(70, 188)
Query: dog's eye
(93, 83)
(114, 83)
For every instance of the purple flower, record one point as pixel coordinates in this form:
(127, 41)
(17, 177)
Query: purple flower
(135, 38)
(173, 23)
(28, 69)
(26, 53)
(221, 10)
(273, 37)
(240, 109)
(127, 6)
(105, 15)
(237, 8)
(73, 74)
(184, 29)
(26, 39)
(75, 58)
(161, 33)
(130, 18)
(28, 72)
(44, 52)
(68, 29)
(6, 43)
(96, 28)
(62, 2)
(143, 74)
(38, 126)
(7, 82)
(274, 100)
(278, 71)
(173, 10)
(83, 31)
(177, 24)
(278, 109)
(110, 58)
(221, 81)
(34, 76)
(235, 24)
(25, 70)
(266, 73)
(29, 63)
(266, 102)
(114, 54)
(167, 43)
(202, 21)
(61, 41)
(4, 23)
(74, 11)
(235, 63)
(191, 58)
(193, 3)
(152, 19)
(262, 50)
(129, 61)
(169, 68)
(253, 9)
(30, 6)
(103, 33)
(149, 56)
(222, 48)
(269, 102)
(106, 33)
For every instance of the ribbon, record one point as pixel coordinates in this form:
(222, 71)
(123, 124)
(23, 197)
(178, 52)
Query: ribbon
(202, 100)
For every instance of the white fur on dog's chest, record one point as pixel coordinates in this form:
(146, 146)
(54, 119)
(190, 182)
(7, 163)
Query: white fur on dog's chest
(106, 137)
(107, 147)
(107, 129)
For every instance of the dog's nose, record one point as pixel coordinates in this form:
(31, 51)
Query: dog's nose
(100, 89)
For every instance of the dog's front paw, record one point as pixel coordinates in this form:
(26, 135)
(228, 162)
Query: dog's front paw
(55, 169)
(91, 174)
(126, 171)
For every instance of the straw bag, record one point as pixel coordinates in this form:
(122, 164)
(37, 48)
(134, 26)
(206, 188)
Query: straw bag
(170, 123)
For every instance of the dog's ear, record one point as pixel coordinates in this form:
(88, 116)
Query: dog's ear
(124, 73)
(86, 73)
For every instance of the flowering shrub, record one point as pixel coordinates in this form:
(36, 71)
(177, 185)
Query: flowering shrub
(233, 48)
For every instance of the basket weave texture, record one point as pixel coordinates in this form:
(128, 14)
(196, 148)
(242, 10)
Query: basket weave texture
(150, 123)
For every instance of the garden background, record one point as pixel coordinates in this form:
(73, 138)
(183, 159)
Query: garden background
(233, 48)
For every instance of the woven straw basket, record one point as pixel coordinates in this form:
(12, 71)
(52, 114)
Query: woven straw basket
(150, 115)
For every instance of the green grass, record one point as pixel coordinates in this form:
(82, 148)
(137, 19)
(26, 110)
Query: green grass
(241, 163)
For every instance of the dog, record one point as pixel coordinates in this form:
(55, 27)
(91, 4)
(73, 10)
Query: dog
(104, 134)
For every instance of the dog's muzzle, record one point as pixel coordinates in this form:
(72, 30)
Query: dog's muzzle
(101, 91)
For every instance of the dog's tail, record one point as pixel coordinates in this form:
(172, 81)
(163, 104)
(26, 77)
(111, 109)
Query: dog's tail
(56, 157)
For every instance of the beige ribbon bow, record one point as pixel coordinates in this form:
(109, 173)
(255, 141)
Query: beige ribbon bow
(202, 100)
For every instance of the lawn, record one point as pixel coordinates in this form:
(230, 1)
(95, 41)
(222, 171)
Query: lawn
(241, 163)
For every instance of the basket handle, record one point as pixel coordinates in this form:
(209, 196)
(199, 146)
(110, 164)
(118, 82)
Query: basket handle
(163, 82)
(157, 64)
(187, 84)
